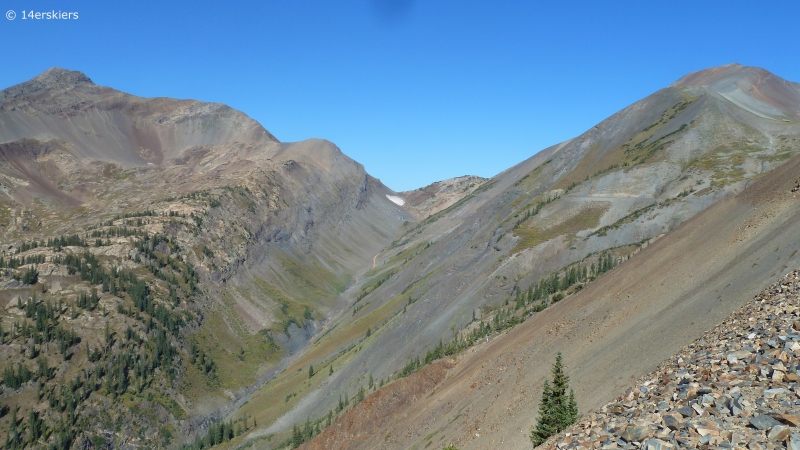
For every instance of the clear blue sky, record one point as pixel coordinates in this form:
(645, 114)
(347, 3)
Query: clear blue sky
(417, 91)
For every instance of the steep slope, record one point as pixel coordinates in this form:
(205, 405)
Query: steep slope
(203, 242)
(617, 329)
(735, 386)
(544, 228)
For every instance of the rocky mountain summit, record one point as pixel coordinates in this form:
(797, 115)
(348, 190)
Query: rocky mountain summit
(737, 386)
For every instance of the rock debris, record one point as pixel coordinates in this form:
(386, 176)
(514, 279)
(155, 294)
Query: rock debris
(736, 387)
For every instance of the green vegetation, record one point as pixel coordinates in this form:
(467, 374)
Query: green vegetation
(375, 284)
(557, 410)
(625, 220)
(31, 276)
(530, 212)
(300, 435)
(640, 149)
(526, 303)
(142, 348)
(531, 236)
(220, 433)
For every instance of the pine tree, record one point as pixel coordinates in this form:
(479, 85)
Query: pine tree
(545, 426)
(297, 437)
(557, 410)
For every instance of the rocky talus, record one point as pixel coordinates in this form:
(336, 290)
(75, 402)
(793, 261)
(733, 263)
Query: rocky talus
(736, 387)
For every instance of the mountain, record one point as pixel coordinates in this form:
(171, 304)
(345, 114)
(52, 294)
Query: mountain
(241, 245)
(615, 330)
(173, 274)
(625, 185)
(429, 200)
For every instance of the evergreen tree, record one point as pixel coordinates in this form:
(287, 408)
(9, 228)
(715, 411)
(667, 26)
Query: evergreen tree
(557, 410)
(297, 437)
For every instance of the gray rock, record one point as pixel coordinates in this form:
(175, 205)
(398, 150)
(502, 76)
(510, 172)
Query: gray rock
(763, 422)
(778, 433)
(672, 422)
(770, 393)
(636, 433)
(685, 411)
(794, 442)
(656, 444)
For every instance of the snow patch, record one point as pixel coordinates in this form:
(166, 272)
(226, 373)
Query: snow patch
(396, 200)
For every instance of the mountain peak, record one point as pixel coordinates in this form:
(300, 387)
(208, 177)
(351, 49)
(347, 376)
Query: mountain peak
(57, 75)
(48, 80)
(751, 88)
(728, 73)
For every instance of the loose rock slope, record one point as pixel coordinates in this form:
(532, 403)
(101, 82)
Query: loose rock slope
(735, 387)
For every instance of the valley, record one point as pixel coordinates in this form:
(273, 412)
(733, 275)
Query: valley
(173, 275)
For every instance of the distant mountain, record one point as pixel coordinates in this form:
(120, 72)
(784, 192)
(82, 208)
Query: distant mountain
(429, 200)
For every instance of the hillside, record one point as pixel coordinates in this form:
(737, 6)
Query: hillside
(547, 227)
(196, 236)
(736, 386)
(173, 274)
(617, 329)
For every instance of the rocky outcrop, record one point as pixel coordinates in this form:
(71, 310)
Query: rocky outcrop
(435, 197)
(736, 386)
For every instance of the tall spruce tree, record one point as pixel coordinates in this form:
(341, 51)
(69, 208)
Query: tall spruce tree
(557, 410)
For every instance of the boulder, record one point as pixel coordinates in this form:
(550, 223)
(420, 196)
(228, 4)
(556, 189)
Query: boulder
(763, 422)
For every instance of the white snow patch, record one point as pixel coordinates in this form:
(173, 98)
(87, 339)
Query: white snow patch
(396, 200)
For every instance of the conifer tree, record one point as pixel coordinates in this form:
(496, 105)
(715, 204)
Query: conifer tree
(297, 437)
(557, 410)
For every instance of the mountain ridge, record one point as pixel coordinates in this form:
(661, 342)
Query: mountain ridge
(301, 277)
(631, 179)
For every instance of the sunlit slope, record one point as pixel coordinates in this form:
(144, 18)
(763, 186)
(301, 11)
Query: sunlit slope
(249, 241)
(618, 328)
(633, 177)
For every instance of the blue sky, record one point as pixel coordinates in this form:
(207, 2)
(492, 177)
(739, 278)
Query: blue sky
(417, 91)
